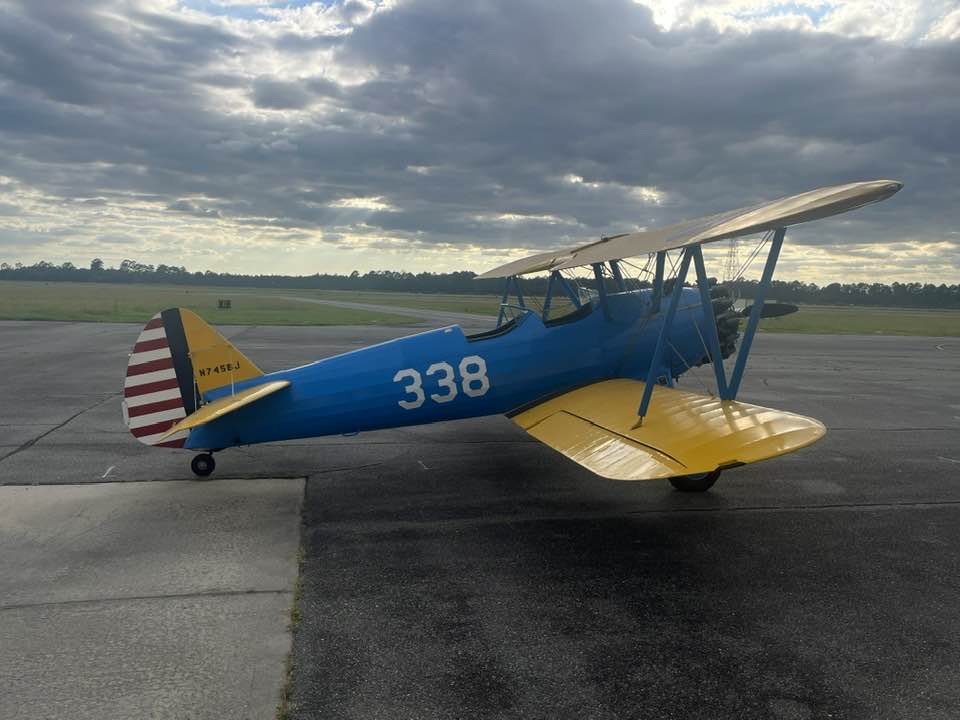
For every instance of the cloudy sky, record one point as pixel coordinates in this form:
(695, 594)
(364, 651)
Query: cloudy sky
(302, 137)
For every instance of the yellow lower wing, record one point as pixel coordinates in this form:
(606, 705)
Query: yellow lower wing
(219, 408)
(683, 433)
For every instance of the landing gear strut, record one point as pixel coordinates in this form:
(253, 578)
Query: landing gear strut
(695, 483)
(203, 464)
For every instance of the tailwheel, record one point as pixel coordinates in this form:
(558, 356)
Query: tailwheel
(695, 483)
(203, 464)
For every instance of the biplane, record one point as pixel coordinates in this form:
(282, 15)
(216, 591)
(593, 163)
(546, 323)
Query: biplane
(596, 382)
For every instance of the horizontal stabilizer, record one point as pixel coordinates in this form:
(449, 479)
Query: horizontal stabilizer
(223, 406)
(683, 433)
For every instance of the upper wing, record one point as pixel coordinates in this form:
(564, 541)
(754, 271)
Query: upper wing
(683, 433)
(784, 212)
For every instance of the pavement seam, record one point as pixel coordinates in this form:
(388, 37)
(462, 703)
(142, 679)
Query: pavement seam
(121, 481)
(30, 443)
(296, 615)
(364, 526)
(161, 596)
(920, 504)
(896, 429)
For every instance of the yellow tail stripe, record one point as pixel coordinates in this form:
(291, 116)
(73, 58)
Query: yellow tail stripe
(216, 362)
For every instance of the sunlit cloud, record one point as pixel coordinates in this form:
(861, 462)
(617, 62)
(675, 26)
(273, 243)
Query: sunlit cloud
(295, 136)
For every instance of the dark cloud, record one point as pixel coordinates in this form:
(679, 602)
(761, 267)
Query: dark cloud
(280, 95)
(469, 116)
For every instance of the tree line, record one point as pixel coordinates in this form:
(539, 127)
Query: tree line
(908, 295)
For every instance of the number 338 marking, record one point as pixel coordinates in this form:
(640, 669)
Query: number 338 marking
(473, 382)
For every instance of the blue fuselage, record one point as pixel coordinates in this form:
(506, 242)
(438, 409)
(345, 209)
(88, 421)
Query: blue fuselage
(445, 375)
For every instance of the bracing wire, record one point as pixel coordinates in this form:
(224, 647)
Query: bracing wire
(706, 350)
(628, 279)
(753, 255)
(689, 369)
(648, 263)
(673, 262)
(535, 300)
(645, 270)
(572, 277)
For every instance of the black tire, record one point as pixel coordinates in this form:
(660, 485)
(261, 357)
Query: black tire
(695, 483)
(202, 465)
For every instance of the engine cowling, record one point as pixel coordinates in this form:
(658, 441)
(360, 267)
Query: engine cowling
(728, 323)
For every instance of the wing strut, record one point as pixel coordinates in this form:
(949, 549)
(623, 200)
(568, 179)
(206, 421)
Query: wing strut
(755, 313)
(618, 275)
(713, 337)
(655, 361)
(556, 277)
(601, 288)
(515, 282)
(658, 281)
(727, 390)
(574, 297)
(548, 298)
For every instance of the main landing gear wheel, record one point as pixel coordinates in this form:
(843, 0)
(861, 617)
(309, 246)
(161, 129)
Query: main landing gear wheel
(695, 483)
(202, 465)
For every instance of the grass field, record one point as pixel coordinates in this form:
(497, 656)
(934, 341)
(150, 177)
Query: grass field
(259, 306)
(819, 319)
(473, 304)
(111, 302)
(830, 320)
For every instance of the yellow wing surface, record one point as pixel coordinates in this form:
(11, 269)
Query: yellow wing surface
(683, 433)
(218, 408)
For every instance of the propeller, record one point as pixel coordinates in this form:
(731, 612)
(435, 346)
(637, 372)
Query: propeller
(771, 310)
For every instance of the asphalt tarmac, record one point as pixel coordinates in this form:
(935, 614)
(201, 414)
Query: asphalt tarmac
(465, 570)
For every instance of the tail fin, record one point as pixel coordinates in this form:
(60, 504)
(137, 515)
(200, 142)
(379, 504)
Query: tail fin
(177, 358)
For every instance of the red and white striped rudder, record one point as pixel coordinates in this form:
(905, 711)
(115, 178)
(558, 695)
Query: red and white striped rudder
(153, 397)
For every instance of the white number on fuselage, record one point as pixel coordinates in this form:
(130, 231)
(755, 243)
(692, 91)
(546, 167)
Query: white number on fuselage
(473, 381)
(415, 388)
(446, 381)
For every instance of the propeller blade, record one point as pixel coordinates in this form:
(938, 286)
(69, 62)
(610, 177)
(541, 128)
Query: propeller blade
(771, 310)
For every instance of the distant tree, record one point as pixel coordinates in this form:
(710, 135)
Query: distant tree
(912, 294)
(132, 266)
